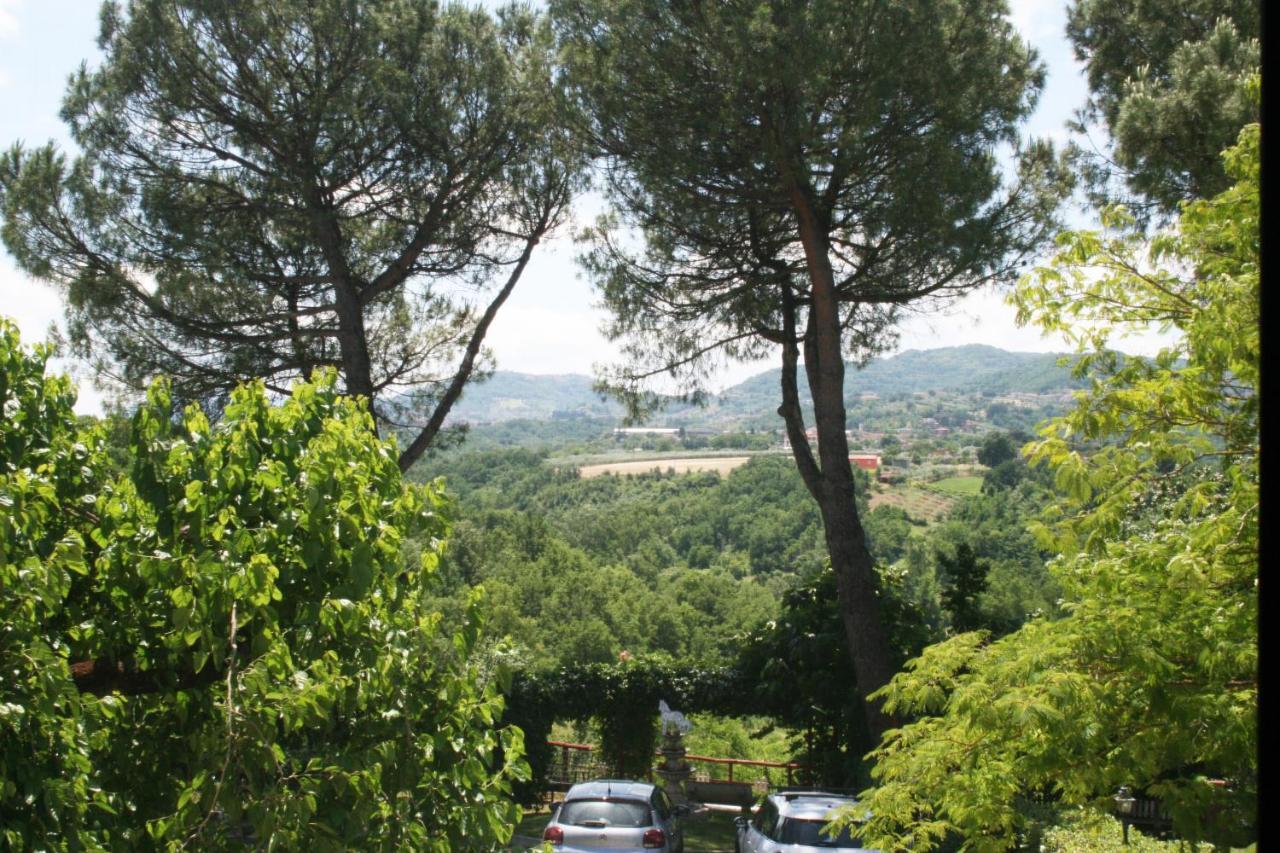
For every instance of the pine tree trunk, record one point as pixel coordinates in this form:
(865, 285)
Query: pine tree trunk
(357, 369)
(869, 648)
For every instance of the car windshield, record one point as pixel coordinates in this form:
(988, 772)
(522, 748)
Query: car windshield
(809, 832)
(604, 813)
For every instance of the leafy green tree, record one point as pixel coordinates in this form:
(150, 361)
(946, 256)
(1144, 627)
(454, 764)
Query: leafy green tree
(798, 170)
(996, 447)
(796, 669)
(1169, 82)
(964, 579)
(267, 188)
(1150, 680)
(1006, 475)
(888, 532)
(223, 647)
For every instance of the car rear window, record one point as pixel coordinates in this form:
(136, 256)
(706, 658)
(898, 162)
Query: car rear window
(604, 813)
(809, 832)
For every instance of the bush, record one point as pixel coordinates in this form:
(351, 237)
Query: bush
(223, 646)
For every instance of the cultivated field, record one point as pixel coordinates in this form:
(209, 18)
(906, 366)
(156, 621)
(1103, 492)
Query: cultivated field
(681, 465)
(927, 506)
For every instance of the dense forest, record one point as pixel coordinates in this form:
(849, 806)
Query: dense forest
(684, 565)
(312, 582)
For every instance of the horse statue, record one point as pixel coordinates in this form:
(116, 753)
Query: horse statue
(673, 721)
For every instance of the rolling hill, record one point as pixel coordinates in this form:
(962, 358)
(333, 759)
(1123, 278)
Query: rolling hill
(974, 368)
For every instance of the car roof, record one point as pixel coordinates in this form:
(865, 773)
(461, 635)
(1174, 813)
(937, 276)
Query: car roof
(809, 804)
(601, 788)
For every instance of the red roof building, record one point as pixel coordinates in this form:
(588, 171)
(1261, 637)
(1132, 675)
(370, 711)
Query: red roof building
(866, 461)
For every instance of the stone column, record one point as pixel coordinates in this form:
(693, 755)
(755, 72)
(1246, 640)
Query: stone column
(674, 770)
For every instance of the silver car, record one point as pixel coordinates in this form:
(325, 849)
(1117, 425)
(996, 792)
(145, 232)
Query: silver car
(616, 815)
(792, 822)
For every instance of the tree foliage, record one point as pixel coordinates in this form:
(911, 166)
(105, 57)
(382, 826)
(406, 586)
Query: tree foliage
(996, 447)
(578, 570)
(797, 171)
(1169, 80)
(794, 669)
(1150, 680)
(623, 697)
(964, 579)
(267, 188)
(223, 645)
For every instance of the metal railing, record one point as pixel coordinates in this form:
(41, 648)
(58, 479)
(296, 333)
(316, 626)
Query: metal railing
(577, 762)
(788, 767)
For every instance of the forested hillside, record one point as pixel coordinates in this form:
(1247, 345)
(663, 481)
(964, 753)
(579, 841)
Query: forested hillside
(974, 368)
(316, 577)
(683, 565)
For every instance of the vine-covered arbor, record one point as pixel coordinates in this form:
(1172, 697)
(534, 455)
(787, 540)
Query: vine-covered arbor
(623, 698)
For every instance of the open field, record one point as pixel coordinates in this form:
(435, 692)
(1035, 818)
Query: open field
(918, 502)
(681, 465)
(957, 486)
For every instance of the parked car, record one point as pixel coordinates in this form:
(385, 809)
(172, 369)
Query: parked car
(792, 822)
(618, 815)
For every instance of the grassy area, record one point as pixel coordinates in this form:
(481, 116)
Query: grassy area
(532, 825)
(958, 486)
(709, 833)
(1104, 834)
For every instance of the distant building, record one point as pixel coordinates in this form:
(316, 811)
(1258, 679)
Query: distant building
(637, 432)
(866, 461)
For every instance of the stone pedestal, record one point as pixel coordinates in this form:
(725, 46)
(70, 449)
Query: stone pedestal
(674, 770)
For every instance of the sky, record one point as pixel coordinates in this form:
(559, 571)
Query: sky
(551, 323)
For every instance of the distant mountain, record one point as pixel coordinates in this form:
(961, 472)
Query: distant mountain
(974, 368)
(507, 396)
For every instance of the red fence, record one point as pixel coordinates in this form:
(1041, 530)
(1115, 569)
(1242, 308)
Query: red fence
(577, 763)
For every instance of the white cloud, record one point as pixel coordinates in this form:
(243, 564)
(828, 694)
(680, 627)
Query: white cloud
(532, 339)
(8, 29)
(35, 306)
(983, 317)
(9, 17)
(1037, 19)
(31, 304)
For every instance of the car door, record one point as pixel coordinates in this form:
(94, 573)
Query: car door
(671, 821)
(760, 829)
